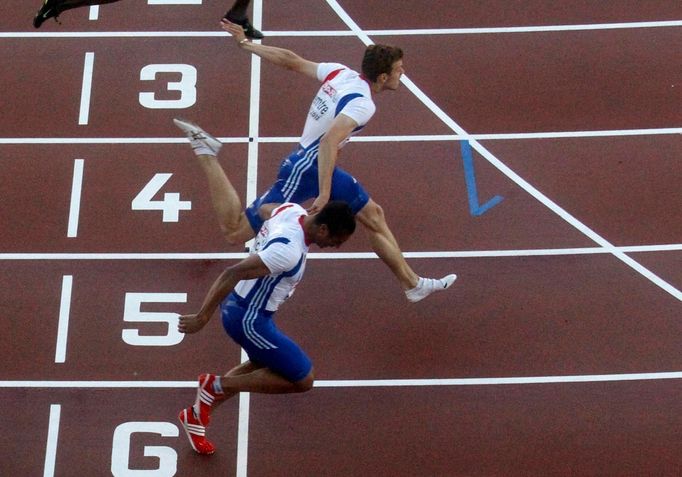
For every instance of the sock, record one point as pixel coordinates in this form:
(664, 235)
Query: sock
(217, 387)
(203, 151)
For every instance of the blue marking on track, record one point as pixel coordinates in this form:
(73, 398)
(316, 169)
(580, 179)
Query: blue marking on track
(474, 208)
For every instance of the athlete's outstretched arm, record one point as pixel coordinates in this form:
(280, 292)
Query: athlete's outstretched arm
(250, 267)
(278, 56)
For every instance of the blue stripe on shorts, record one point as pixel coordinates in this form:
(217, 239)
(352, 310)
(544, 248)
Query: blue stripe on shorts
(299, 184)
(286, 358)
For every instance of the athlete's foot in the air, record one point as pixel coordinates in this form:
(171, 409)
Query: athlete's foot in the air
(426, 286)
(50, 9)
(244, 22)
(202, 142)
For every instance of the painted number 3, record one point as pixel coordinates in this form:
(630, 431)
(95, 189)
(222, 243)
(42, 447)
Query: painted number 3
(187, 86)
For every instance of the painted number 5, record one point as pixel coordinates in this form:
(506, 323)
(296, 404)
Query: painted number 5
(187, 86)
(133, 314)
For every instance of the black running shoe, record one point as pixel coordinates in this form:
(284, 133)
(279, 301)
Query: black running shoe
(48, 10)
(249, 30)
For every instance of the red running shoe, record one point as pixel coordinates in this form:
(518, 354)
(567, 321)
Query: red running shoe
(196, 433)
(206, 396)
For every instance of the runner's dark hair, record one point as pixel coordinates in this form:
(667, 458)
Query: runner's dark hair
(338, 217)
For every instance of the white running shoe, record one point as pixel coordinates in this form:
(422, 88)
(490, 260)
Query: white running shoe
(201, 141)
(426, 286)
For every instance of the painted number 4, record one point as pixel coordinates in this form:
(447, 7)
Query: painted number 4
(171, 205)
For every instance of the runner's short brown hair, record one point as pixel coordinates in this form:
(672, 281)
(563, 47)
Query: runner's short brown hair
(379, 59)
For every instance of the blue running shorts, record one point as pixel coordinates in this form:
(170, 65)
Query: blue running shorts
(297, 181)
(255, 331)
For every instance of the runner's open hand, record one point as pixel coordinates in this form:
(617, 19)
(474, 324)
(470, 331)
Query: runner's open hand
(317, 205)
(190, 323)
(233, 29)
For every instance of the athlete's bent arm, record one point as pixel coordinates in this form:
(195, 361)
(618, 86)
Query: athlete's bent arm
(250, 267)
(278, 56)
(340, 129)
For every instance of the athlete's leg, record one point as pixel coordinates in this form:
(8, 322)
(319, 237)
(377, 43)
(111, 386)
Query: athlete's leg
(224, 197)
(371, 216)
(276, 365)
(226, 202)
(265, 381)
(345, 187)
(385, 245)
(243, 368)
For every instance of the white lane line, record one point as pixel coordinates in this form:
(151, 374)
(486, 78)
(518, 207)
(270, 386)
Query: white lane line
(84, 115)
(64, 314)
(518, 180)
(94, 13)
(243, 424)
(344, 33)
(251, 194)
(346, 255)
(254, 139)
(579, 134)
(403, 138)
(76, 188)
(361, 383)
(111, 140)
(254, 134)
(52, 439)
(590, 378)
(174, 2)
(489, 30)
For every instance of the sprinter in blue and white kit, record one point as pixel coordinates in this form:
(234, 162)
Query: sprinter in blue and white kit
(249, 293)
(343, 92)
(342, 106)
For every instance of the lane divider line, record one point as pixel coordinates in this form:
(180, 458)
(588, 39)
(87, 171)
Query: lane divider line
(251, 194)
(539, 252)
(363, 383)
(88, 65)
(399, 138)
(52, 440)
(64, 315)
(76, 189)
(344, 33)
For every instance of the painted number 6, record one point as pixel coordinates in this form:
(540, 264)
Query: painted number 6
(187, 86)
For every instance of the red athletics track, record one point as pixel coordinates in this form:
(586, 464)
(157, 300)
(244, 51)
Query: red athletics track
(510, 315)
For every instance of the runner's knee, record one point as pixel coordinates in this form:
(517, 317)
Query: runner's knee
(305, 384)
(372, 216)
(232, 238)
(239, 233)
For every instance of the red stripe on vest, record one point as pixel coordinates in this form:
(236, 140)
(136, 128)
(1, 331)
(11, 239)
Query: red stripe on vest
(281, 208)
(332, 75)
